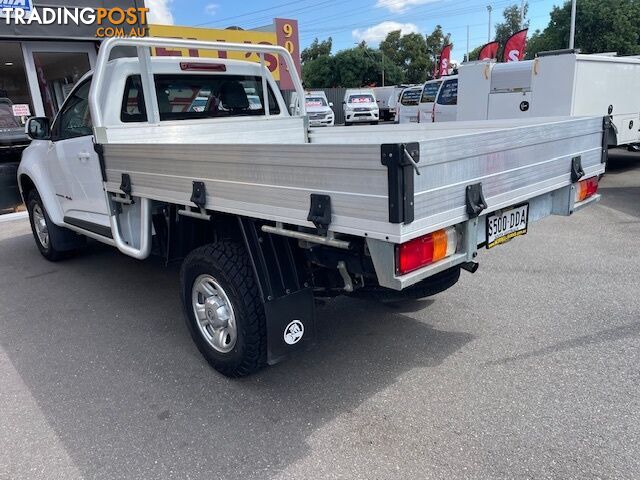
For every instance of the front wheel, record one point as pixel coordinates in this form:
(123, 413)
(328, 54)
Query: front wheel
(54, 242)
(225, 314)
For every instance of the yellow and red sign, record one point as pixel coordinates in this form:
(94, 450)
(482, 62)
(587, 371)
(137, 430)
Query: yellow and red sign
(285, 34)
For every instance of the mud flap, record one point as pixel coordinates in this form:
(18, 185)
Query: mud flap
(288, 301)
(290, 324)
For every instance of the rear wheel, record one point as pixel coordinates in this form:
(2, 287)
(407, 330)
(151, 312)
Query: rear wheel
(225, 314)
(54, 242)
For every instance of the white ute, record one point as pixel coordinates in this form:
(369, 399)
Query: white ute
(197, 160)
(556, 83)
(360, 106)
(319, 109)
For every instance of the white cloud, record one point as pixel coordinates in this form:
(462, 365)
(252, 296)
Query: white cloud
(211, 9)
(379, 32)
(397, 6)
(159, 11)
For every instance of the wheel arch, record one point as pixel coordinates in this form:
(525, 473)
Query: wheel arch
(28, 182)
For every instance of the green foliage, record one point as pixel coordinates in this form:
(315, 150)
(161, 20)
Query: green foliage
(511, 23)
(320, 72)
(600, 27)
(316, 49)
(406, 58)
(435, 41)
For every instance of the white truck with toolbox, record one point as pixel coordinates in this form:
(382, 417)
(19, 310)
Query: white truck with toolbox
(266, 213)
(557, 83)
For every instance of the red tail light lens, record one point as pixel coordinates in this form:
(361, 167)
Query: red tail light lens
(425, 250)
(586, 188)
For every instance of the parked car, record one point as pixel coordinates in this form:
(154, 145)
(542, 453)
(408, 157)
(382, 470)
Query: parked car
(265, 214)
(13, 141)
(360, 107)
(407, 110)
(319, 109)
(445, 108)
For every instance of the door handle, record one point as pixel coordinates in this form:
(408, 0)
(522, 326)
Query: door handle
(84, 156)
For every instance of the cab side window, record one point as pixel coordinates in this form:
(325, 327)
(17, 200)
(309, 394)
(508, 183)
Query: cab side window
(74, 120)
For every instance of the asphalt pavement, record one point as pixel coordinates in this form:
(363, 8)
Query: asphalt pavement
(527, 369)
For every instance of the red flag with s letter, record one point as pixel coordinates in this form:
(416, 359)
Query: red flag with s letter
(445, 58)
(514, 48)
(489, 51)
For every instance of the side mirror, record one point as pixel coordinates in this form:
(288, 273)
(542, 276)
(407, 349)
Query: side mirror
(331, 104)
(344, 103)
(38, 128)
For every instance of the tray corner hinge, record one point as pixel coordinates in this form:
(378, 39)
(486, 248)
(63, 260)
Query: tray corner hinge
(475, 200)
(320, 212)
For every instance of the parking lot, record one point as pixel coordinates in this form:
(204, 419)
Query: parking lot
(526, 369)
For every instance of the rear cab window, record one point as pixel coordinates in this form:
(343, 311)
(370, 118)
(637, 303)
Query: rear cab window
(188, 97)
(430, 91)
(410, 97)
(449, 93)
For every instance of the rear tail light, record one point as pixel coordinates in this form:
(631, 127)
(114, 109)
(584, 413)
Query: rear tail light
(425, 250)
(586, 188)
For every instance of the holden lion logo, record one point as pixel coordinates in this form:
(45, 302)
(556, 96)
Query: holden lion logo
(293, 333)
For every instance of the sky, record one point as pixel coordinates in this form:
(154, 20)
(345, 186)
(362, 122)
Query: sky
(350, 21)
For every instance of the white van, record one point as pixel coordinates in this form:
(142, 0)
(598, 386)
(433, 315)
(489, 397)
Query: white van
(428, 99)
(446, 107)
(360, 106)
(407, 110)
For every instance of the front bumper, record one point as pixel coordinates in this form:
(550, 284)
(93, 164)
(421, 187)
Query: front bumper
(354, 117)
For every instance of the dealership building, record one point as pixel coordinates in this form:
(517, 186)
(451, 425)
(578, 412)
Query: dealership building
(39, 63)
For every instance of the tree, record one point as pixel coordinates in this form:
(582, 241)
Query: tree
(435, 42)
(511, 23)
(600, 27)
(316, 49)
(320, 72)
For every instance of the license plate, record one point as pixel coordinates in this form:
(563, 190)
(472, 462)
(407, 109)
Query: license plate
(506, 224)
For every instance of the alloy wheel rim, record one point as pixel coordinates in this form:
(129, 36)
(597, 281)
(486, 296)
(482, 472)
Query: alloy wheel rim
(40, 225)
(214, 314)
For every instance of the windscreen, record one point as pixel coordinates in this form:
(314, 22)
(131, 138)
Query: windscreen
(185, 97)
(315, 102)
(361, 98)
(410, 97)
(430, 91)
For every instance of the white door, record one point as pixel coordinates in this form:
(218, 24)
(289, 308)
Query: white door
(82, 199)
(446, 107)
